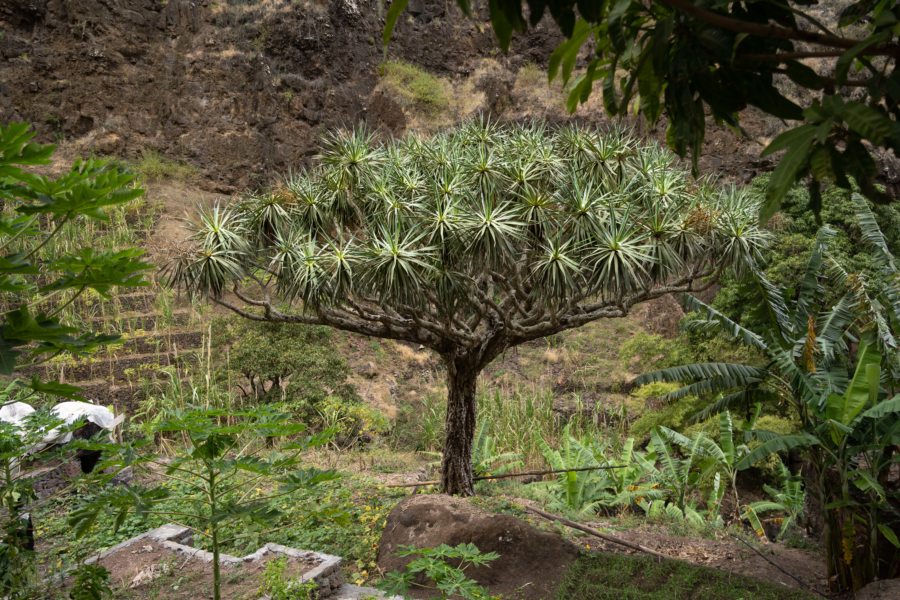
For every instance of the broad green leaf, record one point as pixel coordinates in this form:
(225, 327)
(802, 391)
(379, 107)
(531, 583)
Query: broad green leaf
(804, 75)
(393, 13)
(502, 27)
(782, 443)
(843, 63)
(870, 123)
(863, 388)
(797, 143)
(566, 53)
(889, 534)
(863, 480)
(886, 407)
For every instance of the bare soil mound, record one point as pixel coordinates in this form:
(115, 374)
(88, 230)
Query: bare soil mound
(886, 589)
(150, 571)
(532, 563)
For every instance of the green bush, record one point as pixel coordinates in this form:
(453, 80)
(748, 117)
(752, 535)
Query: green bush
(276, 586)
(153, 166)
(352, 421)
(795, 230)
(292, 364)
(674, 415)
(653, 351)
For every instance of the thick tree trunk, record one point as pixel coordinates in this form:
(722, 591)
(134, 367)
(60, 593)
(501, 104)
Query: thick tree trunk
(456, 467)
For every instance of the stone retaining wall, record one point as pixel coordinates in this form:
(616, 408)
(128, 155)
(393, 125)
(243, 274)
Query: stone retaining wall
(327, 574)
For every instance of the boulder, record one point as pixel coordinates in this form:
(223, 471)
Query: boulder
(531, 564)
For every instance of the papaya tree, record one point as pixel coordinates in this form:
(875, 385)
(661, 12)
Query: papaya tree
(470, 242)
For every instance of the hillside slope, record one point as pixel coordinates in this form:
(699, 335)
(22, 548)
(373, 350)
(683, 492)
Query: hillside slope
(242, 89)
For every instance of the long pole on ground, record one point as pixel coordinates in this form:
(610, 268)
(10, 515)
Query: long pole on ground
(594, 532)
(508, 475)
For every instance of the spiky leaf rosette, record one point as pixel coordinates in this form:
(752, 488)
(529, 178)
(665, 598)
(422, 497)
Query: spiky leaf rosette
(484, 231)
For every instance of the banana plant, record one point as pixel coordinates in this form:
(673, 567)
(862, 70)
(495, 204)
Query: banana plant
(487, 459)
(723, 458)
(678, 474)
(634, 479)
(671, 511)
(579, 491)
(789, 500)
(837, 366)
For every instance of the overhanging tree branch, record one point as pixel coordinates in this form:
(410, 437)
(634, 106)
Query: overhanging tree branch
(772, 30)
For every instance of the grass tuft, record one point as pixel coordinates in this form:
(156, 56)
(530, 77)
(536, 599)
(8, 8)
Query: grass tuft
(153, 166)
(415, 87)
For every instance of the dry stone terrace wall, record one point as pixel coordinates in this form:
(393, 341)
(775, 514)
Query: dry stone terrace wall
(326, 571)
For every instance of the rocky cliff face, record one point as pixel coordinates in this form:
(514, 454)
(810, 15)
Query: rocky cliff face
(240, 88)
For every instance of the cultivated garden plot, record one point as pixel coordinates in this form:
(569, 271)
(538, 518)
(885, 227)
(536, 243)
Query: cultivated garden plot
(162, 563)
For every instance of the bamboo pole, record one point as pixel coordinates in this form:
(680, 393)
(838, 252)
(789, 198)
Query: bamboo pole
(594, 532)
(508, 475)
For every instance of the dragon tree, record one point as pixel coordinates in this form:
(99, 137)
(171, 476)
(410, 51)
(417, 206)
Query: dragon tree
(469, 242)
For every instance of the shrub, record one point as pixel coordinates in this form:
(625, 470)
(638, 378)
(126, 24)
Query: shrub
(293, 364)
(353, 422)
(443, 570)
(91, 583)
(276, 587)
(675, 414)
(653, 351)
(153, 166)
(415, 86)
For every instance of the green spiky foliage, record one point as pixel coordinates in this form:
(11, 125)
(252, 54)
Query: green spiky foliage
(788, 499)
(836, 366)
(576, 491)
(470, 242)
(709, 457)
(487, 459)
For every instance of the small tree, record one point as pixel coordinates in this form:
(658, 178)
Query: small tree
(225, 473)
(469, 243)
(43, 270)
(304, 370)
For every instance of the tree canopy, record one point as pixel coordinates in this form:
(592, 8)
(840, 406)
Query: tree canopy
(689, 59)
(470, 242)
